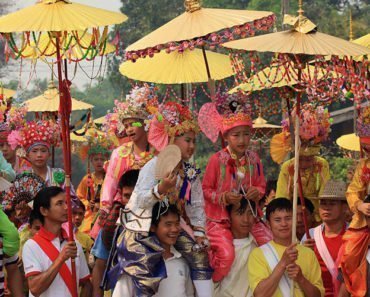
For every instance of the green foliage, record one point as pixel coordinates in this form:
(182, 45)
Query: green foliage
(339, 167)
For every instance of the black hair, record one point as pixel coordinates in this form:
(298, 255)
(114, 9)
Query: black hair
(78, 204)
(278, 204)
(367, 199)
(32, 218)
(43, 199)
(270, 185)
(162, 210)
(128, 179)
(242, 207)
(308, 204)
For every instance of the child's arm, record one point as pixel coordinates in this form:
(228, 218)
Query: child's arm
(6, 169)
(210, 181)
(195, 210)
(10, 235)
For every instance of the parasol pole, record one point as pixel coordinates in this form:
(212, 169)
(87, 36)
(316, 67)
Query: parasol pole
(211, 82)
(67, 164)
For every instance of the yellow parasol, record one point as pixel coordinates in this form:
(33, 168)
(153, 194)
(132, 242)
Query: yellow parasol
(303, 40)
(49, 101)
(178, 68)
(81, 138)
(349, 142)
(59, 18)
(7, 92)
(278, 76)
(198, 27)
(261, 123)
(44, 47)
(364, 40)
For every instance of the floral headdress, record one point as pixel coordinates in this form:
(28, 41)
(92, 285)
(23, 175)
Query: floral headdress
(363, 125)
(172, 119)
(139, 104)
(95, 144)
(227, 112)
(34, 133)
(314, 128)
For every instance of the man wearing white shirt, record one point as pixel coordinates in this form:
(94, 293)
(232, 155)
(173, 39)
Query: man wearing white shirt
(236, 283)
(166, 226)
(47, 255)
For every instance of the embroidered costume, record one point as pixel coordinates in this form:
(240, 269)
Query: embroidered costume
(225, 173)
(359, 188)
(136, 250)
(314, 128)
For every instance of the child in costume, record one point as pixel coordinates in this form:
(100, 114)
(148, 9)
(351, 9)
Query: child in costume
(96, 150)
(359, 187)
(229, 172)
(140, 255)
(36, 138)
(14, 118)
(314, 170)
(132, 114)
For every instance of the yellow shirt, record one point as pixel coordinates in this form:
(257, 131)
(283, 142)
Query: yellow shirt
(313, 181)
(259, 269)
(356, 193)
(86, 243)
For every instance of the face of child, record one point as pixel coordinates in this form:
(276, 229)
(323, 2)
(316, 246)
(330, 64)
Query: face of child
(78, 216)
(186, 143)
(134, 129)
(306, 162)
(168, 229)
(8, 153)
(238, 139)
(39, 156)
(97, 162)
(35, 227)
(241, 222)
(126, 194)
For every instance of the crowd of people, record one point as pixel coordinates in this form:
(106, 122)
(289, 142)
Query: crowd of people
(142, 231)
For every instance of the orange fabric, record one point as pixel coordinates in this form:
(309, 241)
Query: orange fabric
(353, 263)
(365, 140)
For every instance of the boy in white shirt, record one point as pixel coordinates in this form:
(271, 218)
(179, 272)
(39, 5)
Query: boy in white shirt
(166, 226)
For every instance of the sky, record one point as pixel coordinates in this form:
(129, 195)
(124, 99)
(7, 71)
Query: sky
(43, 71)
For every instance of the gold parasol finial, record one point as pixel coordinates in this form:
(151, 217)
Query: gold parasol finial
(192, 5)
(350, 26)
(300, 9)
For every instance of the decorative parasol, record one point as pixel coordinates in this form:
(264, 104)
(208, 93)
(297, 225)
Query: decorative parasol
(364, 40)
(349, 142)
(200, 27)
(49, 101)
(59, 18)
(7, 93)
(261, 123)
(302, 41)
(178, 67)
(262, 131)
(71, 49)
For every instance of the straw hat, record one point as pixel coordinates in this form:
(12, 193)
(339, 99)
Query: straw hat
(334, 190)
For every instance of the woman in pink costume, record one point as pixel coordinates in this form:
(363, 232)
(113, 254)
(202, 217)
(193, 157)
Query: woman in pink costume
(230, 172)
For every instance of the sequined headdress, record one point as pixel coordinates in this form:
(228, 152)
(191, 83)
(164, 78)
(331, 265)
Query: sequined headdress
(95, 144)
(171, 120)
(227, 112)
(34, 133)
(139, 104)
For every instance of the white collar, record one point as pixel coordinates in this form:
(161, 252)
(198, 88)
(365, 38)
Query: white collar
(368, 256)
(175, 253)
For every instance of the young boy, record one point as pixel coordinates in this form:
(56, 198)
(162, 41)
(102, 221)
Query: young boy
(236, 283)
(273, 266)
(166, 227)
(103, 243)
(46, 257)
(78, 214)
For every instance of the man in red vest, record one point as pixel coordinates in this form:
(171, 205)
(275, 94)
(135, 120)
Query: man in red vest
(47, 256)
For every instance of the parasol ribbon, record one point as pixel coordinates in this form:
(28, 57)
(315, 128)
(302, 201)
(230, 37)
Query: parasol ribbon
(300, 23)
(66, 108)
